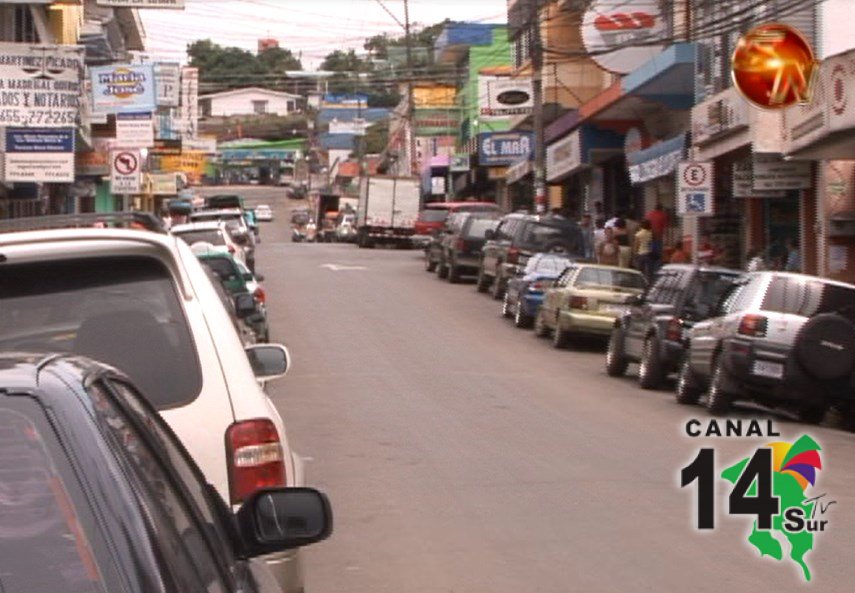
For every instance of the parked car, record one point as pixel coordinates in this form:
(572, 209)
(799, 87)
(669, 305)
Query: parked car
(653, 332)
(345, 232)
(524, 293)
(231, 304)
(433, 248)
(263, 213)
(100, 495)
(780, 339)
(518, 237)
(235, 221)
(214, 233)
(460, 243)
(433, 215)
(586, 300)
(102, 292)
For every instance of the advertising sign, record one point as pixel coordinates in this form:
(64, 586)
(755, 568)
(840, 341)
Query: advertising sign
(96, 162)
(695, 189)
(502, 96)
(621, 35)
(504, 148)
(656, 161)
(40, 85)
(39, 155)
(163, 184)
(192, 164)
(189, 101)
(206, 144)
(743, 183)
(165, 127)
(564, 156)
(166, 147)
(134, 130)
(125, 167)
(123, 88)
(167, 83)
(179, 4)
(459, 163)
(771, 172)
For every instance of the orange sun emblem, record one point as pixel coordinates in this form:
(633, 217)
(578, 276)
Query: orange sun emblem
(773, 66)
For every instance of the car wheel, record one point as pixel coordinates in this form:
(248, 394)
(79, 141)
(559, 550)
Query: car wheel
(616, 362)
(812, 414)
(560, 337)
(430, 265)
(521, 320)
(540, 329)
(453, 273)
(650, 371)
(442, 270)
(506, 307)
(483, 281)
(497, 290)
(825, 346)
(688, 393)
(718, 400)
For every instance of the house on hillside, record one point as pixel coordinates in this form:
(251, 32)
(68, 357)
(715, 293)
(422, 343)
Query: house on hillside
(248, 101)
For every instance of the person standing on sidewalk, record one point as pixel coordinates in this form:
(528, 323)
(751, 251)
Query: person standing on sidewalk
(643, 249)
(586, 225)
(608, 250)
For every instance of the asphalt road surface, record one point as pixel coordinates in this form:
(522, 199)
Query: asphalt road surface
(464, 455)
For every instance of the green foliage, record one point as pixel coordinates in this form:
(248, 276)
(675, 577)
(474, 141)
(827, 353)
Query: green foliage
(376, 137)
(232, 67)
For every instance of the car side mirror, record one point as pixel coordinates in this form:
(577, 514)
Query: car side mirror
(489, 234)
(245, 305)
(277, 519)
(268, 361)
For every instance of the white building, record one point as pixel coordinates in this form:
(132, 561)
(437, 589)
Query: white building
(248, 101)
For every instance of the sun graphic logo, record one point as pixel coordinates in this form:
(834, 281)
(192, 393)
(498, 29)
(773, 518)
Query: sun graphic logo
(122, 83)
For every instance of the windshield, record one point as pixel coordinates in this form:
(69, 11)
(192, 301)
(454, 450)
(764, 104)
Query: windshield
(104, 308)
(600, 277)
(212, 236)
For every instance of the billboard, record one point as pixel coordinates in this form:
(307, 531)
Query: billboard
(621, 36)
(502, 96)
(123, 88)
(504, 148)
(39, 155)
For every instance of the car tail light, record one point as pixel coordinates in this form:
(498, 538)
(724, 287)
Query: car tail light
(460, 245)
(513, 255)
(536, 286)
(674, 330)
(260, 295)
(753, 325)
(578, 302)
(255, 458)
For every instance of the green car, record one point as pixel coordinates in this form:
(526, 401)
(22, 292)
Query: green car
(233, 279)
(586, 300)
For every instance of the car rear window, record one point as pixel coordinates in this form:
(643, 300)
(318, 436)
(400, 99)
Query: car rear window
(709, 287)
(547, 264)
(433, 215)
(223, 268)
(806, 297)
(598, 277)
(666, 289)
(48, 538)
(479, 226)
(212, 236)
(123, 311)
(539, 236)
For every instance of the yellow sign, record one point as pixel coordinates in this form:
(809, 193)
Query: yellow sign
(192, 164)
(434, 96)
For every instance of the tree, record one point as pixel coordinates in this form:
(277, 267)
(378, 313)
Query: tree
(232, 67)
(278, 59)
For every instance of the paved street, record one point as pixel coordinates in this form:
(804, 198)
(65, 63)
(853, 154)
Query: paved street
(462, 454)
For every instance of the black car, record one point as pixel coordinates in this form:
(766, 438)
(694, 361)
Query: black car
(518, 237)
(433, 249)
(98, 495)
(653, 332)
(461, 243)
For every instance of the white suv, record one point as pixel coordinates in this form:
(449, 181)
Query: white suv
(214, 232)
(141, 301)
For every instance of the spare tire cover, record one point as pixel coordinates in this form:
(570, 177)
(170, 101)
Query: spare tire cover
(825, 346)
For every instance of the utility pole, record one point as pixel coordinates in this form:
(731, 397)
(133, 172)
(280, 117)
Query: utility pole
(411, 103)
(536, 52)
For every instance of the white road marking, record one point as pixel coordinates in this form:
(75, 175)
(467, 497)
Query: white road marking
(339, 267)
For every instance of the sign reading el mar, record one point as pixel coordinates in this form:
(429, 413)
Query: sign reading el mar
(504, 148)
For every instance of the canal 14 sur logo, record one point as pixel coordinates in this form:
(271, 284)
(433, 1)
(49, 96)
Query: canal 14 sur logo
(775, 484)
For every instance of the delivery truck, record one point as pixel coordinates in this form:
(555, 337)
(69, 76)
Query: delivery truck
(388, 209)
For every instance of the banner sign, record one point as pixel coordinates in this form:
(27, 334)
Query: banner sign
(656, 161)
(134, 130)
(189, 101)
(125, 167)
(167, 83)
(502, 96)
(178, 4)
(504, 148)
(40, 85)
(39, 155)
(123, 88)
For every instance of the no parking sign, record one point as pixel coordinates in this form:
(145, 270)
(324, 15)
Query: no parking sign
(695, 189)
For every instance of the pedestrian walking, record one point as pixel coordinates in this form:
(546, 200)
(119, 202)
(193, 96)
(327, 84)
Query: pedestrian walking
(586, 225)
(623, 240)
(608, 251)
(794, 258)
(643, 249)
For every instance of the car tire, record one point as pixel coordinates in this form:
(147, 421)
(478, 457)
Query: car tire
(483, 282)
(811, 413)
(521, 320)
(560, 337)
(430, 265)
(540, 328)
(616, 361)
(506, 307)
(687, 393)
(825, 347)
(650, 371)
(441, 270)
(453, 273)
(718, 399)
(497, 291)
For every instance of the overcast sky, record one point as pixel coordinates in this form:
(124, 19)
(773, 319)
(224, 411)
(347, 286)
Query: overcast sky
(313, 27)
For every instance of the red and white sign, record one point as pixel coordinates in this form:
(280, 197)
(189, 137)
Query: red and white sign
(621, 35)
(695, 189)
(125, 175)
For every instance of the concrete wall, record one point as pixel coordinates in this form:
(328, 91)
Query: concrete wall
(242, 104)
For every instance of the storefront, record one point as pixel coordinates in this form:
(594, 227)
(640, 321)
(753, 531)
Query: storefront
(520, 186)
(497, 151)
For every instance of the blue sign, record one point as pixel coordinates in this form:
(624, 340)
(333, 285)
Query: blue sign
(123, 88)
(355, 99)
(504, 148)
(39, 140)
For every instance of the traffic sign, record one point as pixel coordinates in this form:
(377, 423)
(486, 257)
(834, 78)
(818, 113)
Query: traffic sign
(125, 177)
(695, 189)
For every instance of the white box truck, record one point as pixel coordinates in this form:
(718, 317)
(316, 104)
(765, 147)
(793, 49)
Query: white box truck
(388, 209)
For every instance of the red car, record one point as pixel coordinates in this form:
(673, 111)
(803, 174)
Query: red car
(433, 215)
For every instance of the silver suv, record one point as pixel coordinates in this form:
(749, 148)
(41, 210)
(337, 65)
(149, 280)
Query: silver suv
(783, 340)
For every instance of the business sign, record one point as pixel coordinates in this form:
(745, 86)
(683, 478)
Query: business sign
(178, 4)
(126, 171)
(40, 85)
(189, 111)
(743, 183)
(435, 122)
(564, 157)
(162, 184)
(39, 155)
(192, 164)
(165, 127)
(166, 147)
(621, 35)
(123, 88)
(518, 171)
(206, 144)
(502, 96)
(719, 116)
(695, 189)
(134, 130)
(458, 163)
(167, 83)
(95, 162)
(656, 161)
(437, 186)
(771, 172)
(434, 96)
(504, 148)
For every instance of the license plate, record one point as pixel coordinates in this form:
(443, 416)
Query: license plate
(613, 309)
(773, 370)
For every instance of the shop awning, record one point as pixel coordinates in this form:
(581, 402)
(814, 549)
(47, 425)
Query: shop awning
(263, 151)
(580, 148)
(656, 161)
